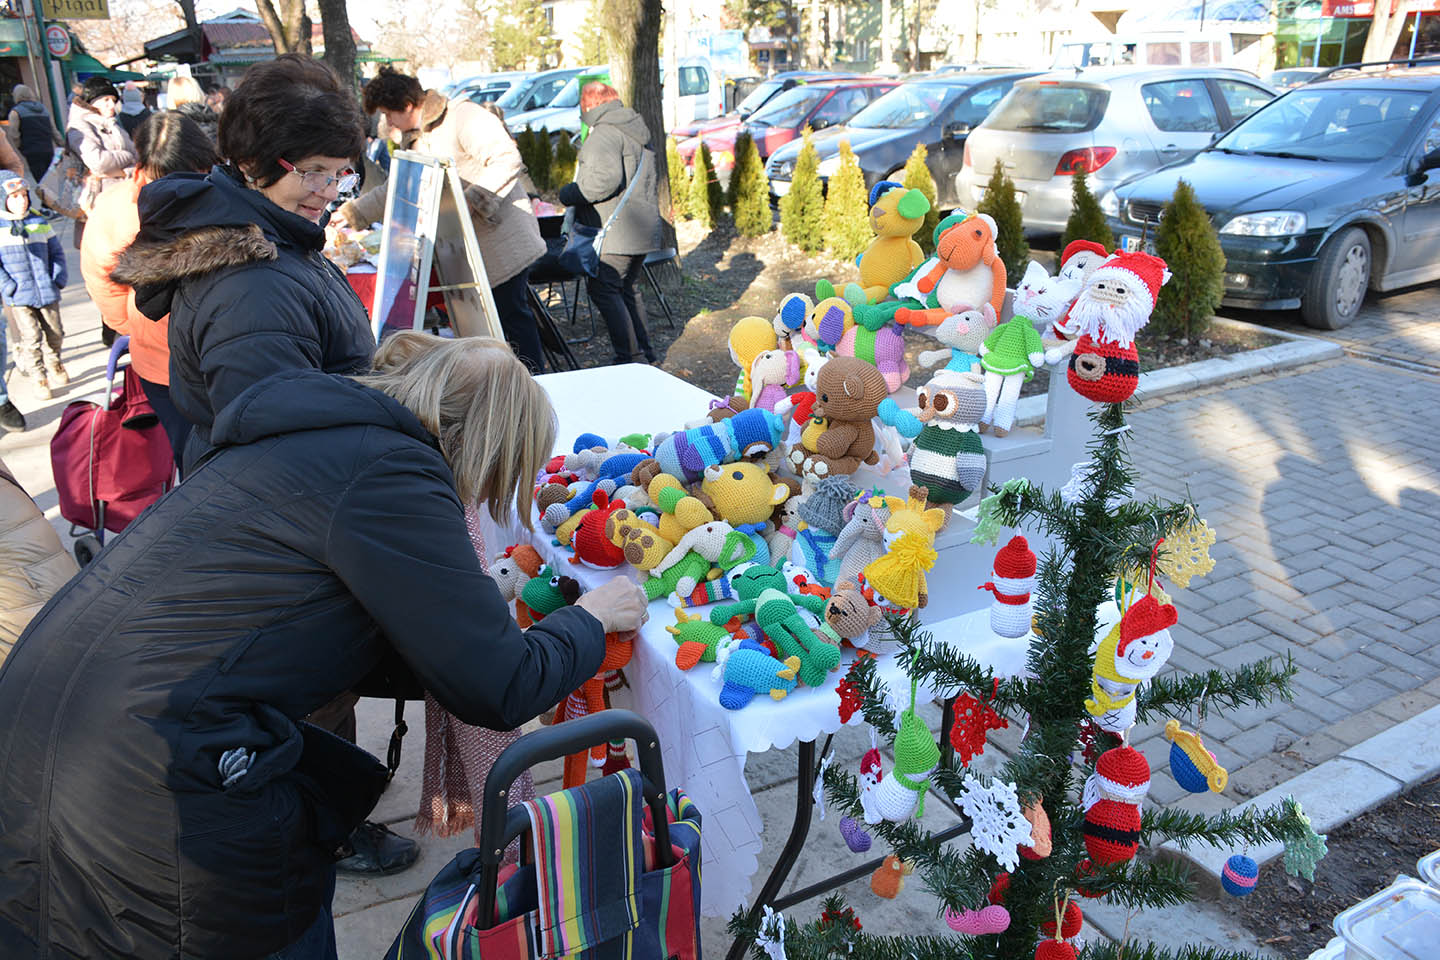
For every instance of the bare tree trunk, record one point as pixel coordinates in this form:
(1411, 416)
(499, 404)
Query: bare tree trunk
(289, 28)
(633, 42)
(339, 42)
(1384, 31)
(187, 9)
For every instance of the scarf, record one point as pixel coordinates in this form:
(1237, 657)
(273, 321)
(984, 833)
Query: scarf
(458, 757)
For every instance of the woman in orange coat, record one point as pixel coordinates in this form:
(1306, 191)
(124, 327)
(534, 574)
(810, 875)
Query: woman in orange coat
(166, 142)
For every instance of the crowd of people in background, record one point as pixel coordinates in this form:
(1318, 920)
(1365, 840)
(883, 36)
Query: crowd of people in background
(179, 772)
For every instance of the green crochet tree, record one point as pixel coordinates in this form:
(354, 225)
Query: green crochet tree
(1097, 529)
(562, 164)
(918, 176)
(679, 181)
(846, 223)
(1186, 240)
(803, 207)
(749, 194)
(1000, 203)
(707, 200)
(1087, 220)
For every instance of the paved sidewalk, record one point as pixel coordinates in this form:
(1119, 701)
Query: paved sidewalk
(1324, 486)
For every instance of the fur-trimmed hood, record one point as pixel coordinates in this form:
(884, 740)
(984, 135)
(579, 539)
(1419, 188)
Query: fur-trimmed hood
(195, 224)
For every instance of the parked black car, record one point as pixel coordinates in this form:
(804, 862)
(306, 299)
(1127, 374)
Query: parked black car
(1324, 193)
(938, 111)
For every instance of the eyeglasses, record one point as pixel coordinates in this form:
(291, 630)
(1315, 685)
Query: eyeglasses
(318, 181)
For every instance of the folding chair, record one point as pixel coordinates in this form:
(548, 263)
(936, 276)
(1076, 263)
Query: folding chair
(658, 257)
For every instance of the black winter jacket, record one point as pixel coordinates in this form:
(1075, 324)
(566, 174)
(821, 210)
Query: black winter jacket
(247, 291)
(324, 536)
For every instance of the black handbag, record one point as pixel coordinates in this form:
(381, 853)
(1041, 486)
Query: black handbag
(583, 244)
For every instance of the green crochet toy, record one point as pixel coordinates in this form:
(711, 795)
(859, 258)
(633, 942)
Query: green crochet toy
(763, 595)
(697, 639)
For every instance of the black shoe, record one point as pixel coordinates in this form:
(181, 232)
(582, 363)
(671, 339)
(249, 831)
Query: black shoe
(10, 418)
(372, 849)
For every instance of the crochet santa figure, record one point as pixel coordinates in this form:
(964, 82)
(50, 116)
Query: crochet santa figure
(1116, 303)
(1112, 799)
(1077, 261)
(1011, 581)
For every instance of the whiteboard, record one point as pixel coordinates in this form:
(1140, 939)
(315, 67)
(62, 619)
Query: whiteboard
(427, 224)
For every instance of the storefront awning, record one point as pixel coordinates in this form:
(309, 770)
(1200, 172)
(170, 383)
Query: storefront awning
(82, 64)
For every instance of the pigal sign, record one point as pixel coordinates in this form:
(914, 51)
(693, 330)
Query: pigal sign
(78, 9)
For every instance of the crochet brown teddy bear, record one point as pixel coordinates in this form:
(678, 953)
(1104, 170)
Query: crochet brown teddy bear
(848, 392)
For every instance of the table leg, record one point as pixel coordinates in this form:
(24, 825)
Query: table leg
(799, 832)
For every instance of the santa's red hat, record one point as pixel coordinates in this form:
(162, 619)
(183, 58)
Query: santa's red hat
(1123, 774)
(1139, 268)
(1145, 617)
(870, 764)
(1081, 246)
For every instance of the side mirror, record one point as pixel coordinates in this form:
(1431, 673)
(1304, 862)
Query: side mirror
(743, 114)
(956, 130)
(1430, 161)
(819, 124)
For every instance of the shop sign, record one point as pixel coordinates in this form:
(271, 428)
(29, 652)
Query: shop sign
(78, 9)
(57, 41)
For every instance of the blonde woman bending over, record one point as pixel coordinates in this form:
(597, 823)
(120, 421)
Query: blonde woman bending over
(162, 795)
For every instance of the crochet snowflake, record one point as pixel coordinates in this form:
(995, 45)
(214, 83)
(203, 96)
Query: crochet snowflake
(1186, 552)
(1302, 853)
(997, 824)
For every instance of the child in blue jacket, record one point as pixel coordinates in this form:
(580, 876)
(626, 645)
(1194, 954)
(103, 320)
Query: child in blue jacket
(32, 272)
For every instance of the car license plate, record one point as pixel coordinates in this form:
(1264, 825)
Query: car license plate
(1131, 244)
(779, 187)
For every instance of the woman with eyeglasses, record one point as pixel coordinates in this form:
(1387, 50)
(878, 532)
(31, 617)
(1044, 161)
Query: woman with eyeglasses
(233, 256)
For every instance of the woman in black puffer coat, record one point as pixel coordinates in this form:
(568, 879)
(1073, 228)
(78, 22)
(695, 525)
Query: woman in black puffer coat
(160, 795)
(234, 256)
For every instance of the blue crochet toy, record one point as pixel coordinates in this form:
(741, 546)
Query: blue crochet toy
(749, 669)
(612, 473)
(750, 433)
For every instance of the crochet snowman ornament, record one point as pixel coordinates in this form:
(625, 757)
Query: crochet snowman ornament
(871, 776)
(1132, 652)
(902, 794)
(1011, 581)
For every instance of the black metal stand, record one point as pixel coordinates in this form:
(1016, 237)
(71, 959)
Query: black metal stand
(800, 832)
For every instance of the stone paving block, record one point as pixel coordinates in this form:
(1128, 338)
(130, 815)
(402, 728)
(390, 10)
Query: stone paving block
(1314, 581)
(1360, 694)
(1403, 706)
(1420, 609)
(1284, 626)
(1341, 644)
(1357, 727)
(1199, 923)
(367, 933)
(1309, 681)
(1256, 741)
(1238, 633)
(1413, 640)
(1263, 774)
(1398, 659)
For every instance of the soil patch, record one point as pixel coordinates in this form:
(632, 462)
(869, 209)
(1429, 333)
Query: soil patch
(724, 276)
(1294, 916)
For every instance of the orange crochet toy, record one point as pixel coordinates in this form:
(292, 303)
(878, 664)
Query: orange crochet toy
(590, 698)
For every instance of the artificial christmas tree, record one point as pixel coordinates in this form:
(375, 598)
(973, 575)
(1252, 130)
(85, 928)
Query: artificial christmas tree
(1095, 531)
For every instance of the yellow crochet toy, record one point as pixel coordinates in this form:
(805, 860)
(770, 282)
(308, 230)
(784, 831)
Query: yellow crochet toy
(895, 215)
(899, 573)
(750, 337)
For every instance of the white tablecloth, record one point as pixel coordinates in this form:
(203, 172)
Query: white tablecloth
(703, 744)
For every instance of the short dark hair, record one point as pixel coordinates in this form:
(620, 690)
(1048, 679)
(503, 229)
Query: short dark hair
(289, 108)
(389, 90)
(168, 141)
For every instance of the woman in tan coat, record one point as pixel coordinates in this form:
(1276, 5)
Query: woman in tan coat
(33, 564)
(490, 167)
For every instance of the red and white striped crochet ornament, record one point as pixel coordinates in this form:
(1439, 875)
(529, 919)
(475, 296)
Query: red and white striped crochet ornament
(1011, 582)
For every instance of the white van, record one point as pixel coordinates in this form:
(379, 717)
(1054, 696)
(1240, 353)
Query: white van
(697, 93)
(1167, 48)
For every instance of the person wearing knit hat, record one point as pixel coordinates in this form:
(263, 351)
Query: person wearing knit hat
(132, 108)
(101, 142)
(31, 132)
(1011, 582)
(1132, 652)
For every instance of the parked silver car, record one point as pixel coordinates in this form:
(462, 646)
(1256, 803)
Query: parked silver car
(1111, 122)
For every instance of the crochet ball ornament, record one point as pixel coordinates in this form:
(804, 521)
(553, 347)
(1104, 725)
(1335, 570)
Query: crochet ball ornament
(1054, 950)
(1086, 868)
(1112, 831)
(1070, 926)
(1103, 372)
(1239, 876)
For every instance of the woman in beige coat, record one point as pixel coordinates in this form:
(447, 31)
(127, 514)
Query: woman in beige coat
(490, 167)
(33, 565)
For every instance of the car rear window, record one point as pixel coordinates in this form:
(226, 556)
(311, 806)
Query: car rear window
(1050, 107)
(790, 107)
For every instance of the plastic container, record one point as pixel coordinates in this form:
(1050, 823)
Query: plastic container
(1429, 867)
(1334, 950)
(1401, 922)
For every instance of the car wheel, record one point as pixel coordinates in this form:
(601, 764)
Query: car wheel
(1337, 287)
